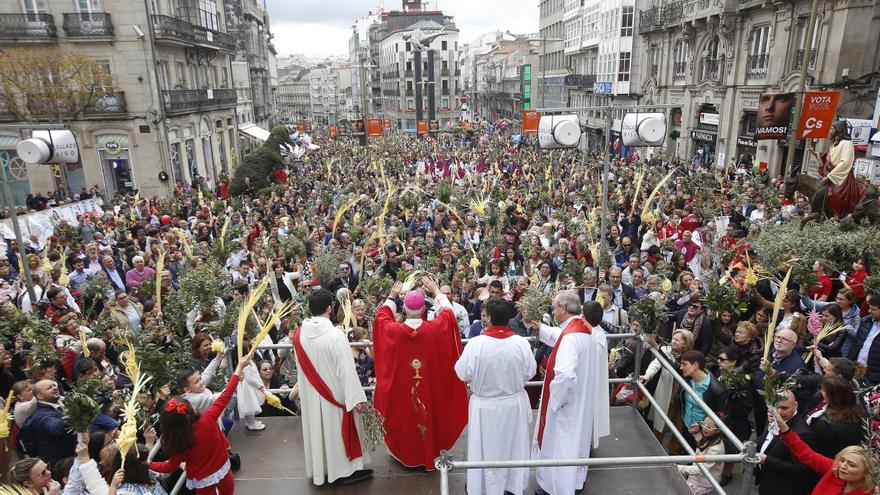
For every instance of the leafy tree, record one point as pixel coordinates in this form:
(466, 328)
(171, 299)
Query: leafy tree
(48, 84)
(258, 166)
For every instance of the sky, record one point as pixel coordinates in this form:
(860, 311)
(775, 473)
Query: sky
(320, 28)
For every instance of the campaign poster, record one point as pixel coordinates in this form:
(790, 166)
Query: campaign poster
(774, 115)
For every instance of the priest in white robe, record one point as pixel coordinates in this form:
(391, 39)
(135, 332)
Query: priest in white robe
(497, 364)
(593, 314)
(564, 428)
(330, 395)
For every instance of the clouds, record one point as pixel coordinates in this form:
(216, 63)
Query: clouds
(323, 27)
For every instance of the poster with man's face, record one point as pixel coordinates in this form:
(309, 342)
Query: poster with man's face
(774, 115)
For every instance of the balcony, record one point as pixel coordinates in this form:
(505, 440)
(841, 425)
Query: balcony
(580, 80)
(391, 92)
(108, 105)
(799, 57)
(650, 19)
(408, 73)
(179, 31)
(712, 69)
(180, 101)
(86, 25)
(757, 64)
(30, 27)
(444, 72)
(679, 70)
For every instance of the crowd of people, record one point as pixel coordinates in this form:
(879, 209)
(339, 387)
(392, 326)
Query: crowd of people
(379, 260)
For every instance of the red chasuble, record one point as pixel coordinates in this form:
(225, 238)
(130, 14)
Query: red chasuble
(424, 403)
(577, 325)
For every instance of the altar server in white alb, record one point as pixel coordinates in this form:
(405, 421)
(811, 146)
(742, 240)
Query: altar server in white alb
(330, 394)
(593, 311)
(565, 423)
(497, 364)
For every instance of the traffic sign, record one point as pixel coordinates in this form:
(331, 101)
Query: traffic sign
(602, 88)
(818, 114)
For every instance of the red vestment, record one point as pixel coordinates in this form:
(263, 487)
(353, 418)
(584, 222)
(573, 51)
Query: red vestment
(424, 403)
(842, 199)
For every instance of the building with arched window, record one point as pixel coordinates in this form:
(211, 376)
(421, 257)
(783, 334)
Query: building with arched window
(715, 58)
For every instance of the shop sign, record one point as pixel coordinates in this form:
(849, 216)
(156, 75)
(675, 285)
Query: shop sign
(704, 136)
(747, 141)
(709, 118)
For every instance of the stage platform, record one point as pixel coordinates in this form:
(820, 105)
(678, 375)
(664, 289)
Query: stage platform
(272, 463)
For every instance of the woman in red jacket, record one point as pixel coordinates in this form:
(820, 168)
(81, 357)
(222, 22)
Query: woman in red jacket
(197, 441)
(848, 473)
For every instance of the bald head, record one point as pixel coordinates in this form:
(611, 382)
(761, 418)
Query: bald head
(97, 348)
(47, 391)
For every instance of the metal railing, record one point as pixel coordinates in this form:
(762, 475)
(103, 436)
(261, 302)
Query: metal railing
(757, 64)
(188, 100)
(87, 25)
(27, 27)
(109, 104)
(174, 29)
(747, 455)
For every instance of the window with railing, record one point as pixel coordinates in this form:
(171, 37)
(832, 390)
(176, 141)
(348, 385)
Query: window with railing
(803, 25)
(759, 51)
(711, 65)
(679, 65)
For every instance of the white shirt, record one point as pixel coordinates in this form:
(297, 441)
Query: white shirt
(866, 347)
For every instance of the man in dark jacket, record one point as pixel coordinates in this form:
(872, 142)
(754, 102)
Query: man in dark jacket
(866, 349)
(45, 434)
(780, 473)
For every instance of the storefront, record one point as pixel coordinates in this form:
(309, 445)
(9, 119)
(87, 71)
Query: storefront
(746, 143)
(114, 156)
(16, 170)
(705, 135)
(746, 149)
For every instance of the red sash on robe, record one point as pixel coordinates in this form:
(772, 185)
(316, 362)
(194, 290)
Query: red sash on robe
(349, 429)
(498, 332)
(577, 325)
(424, 404)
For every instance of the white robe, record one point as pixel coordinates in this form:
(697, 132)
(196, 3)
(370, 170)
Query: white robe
(601, 398)
(499, 411)
(328, 350)
(249, 392)
(569, 425)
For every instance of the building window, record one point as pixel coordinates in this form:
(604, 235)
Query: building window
(181, 75)
(803, 41)
(626, 22)
(408, 46)
(443, 45)
(759, 51)
(711, 62)
(624, 66)
(682, 54)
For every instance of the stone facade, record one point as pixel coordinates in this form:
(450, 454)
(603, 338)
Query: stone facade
(175, 106)
(714, 58)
